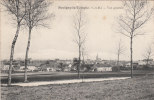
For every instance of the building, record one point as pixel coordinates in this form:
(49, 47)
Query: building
(98, 60)
(5, 68)
(102, 67)
(22, 68)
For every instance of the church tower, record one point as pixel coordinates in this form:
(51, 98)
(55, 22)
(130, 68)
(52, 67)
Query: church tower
(97, 59)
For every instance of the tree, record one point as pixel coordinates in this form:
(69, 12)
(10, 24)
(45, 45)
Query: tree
(80, 35)
(148, 54)
(17, 9)
(120, 51)
(61, 66)
(131, 23)
(36, 16)
(83, 54)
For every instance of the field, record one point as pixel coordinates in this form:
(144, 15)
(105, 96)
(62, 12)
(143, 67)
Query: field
(138, 88)
(50, 76)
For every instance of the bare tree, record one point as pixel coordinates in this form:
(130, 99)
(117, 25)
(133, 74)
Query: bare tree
(131, 23)
(17, 9)
(36, 16)
(148, 54)
(83, 53)
(80, 35)
(120, 51)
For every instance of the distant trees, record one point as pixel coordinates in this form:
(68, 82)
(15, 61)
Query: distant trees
(148, 55)
(119, 51)
(61, 66)
(80, 35)
(17, 9)
(131, 23)
(36, 16)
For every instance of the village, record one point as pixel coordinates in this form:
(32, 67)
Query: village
(77, 50)
(88, 65)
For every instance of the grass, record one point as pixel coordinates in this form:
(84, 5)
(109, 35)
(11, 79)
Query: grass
(50, 76)
(139, 88)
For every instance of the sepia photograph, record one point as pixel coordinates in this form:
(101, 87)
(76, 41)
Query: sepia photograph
(77, 49)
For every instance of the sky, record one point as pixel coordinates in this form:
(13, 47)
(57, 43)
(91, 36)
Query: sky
(57, 41)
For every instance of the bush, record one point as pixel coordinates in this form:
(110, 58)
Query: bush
(115, 69)
(146, 67)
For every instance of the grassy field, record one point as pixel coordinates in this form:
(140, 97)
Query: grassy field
(50, 76)
(139, 88)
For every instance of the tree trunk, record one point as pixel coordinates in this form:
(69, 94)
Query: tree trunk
(147, 61)
(26, 57)
(79, 62)
(118, 60)
(131, 57)
(118, 63)
(83, 58)
(12, 53)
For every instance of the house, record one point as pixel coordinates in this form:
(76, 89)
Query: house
(67, 68)
(48, 67)
(18, 69)
(32, 68)
(128, 65)
(102, 67)
(22, 68)
(141, 63)
(5, 68)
